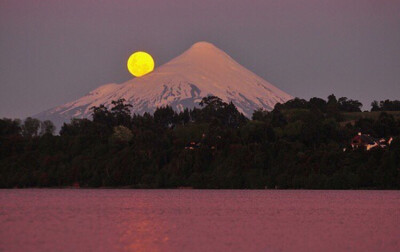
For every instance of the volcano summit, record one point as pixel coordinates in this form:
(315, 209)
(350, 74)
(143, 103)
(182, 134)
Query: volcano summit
(181, 83)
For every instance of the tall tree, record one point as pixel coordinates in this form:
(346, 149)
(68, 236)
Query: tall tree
(375, 106)
(165, 116)
(47, 128)
(121, 112)
(348, 105)
(9, 127)
(30, 128)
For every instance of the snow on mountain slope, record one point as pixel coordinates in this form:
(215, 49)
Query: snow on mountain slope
(200, 71)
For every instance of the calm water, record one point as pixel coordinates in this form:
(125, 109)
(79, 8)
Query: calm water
(194, 220)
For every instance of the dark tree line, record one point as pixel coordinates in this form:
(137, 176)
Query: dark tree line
(343, 104)
(31, 127)
(298, 144)
(386, 105)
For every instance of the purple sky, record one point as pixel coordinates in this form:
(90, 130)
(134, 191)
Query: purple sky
(52, 52)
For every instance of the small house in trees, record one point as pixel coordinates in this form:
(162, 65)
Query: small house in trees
(195, 145)
(192, 145)
(368, 142)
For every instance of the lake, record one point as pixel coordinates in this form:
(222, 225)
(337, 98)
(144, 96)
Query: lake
(198, 220)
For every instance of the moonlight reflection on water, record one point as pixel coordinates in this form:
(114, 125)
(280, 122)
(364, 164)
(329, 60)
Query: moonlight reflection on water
(199, 220)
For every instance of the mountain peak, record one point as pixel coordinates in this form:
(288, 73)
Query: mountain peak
(204, 48)
(202, 54)
(203, 45)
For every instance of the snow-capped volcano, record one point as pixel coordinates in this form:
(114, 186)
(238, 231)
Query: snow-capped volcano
(181, 83)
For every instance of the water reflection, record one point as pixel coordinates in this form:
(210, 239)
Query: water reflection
(143, 230)
(192, 220)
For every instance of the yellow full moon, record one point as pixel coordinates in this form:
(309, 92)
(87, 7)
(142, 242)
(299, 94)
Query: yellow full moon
(140, 63)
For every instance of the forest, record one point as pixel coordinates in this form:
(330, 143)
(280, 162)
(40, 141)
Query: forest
(301, 144)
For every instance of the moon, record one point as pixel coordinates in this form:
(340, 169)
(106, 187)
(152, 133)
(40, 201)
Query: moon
(140, 63)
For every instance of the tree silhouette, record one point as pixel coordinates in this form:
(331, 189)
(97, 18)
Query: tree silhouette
(30, 128)
(47, 128)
